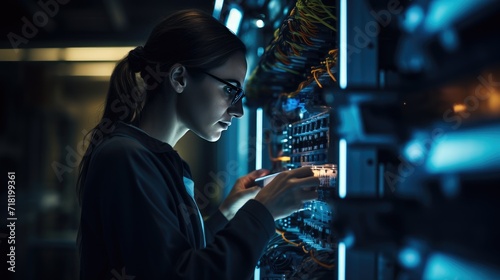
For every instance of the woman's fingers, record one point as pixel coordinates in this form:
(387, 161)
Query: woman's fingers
(305, 182)
(295, 174)
(305, 188)
(308, 195)
(301, 172)
(257, 173)
(250, 192)
(248, 180)
(288, 191)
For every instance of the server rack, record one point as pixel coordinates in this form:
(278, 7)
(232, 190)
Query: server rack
(366, 92)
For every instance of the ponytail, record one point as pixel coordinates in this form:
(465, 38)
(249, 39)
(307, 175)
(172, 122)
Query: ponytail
(124, 102)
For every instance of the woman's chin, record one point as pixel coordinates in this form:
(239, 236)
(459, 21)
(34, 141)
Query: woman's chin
(212, 137)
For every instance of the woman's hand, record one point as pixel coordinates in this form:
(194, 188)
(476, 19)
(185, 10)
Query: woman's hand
(288, 191)
(243, 190)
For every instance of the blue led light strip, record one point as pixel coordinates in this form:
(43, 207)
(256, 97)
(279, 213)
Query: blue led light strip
(342, 168)
(341, 252)
(343, 44)
(258, 139)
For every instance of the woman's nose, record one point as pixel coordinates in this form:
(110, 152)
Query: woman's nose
(236, 110)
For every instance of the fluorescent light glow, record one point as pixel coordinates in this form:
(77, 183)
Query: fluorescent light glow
(443, 266)
(259, 23)
(65, 54)
(88, 69)
(343, 44)
(256, 273)
(415, 151)
(260, 51)
(43, 54)
(244, 145)
(459, 108)
(465, 151)
(444, 13)
(95, 54)
(258, 138)
(11, 54)
(341, 268)
(414, 16)
(218, 8)
(234, 20)
(409, 257)
(342, 168)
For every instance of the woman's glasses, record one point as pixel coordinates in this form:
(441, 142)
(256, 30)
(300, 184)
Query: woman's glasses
(237, 92)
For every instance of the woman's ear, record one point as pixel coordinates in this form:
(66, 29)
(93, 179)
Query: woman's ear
(177, 77)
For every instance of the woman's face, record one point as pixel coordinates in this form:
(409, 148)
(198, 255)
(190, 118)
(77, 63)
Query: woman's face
(204, 106)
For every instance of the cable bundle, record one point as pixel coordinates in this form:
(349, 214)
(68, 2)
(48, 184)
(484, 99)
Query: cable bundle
(301, 36)
(316, 71)
(301, 41)
(290, 256)
(291, 107)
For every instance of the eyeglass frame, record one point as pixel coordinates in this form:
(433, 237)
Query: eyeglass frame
(240, 93)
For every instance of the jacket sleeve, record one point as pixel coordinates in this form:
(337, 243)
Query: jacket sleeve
(141, 231)
(213, 224)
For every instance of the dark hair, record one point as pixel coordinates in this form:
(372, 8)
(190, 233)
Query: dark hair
(188, 37)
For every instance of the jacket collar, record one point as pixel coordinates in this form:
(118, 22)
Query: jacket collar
(129, 130)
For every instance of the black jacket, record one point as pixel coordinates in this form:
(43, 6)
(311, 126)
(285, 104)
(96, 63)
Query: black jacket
(138, 221)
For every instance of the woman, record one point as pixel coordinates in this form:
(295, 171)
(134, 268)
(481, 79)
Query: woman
(139, 219)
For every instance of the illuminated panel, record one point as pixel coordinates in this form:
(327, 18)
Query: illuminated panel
(234, 20)
(218, 8)
(95, 54)
(65, 54)
(341, 268)
(258, 139)
(465, 151)
(342, 168)
(343, 44)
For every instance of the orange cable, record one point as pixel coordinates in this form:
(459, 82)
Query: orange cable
(314, 72)
(329, 266)
(291, 242)
(328, 70)
(304, 249)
